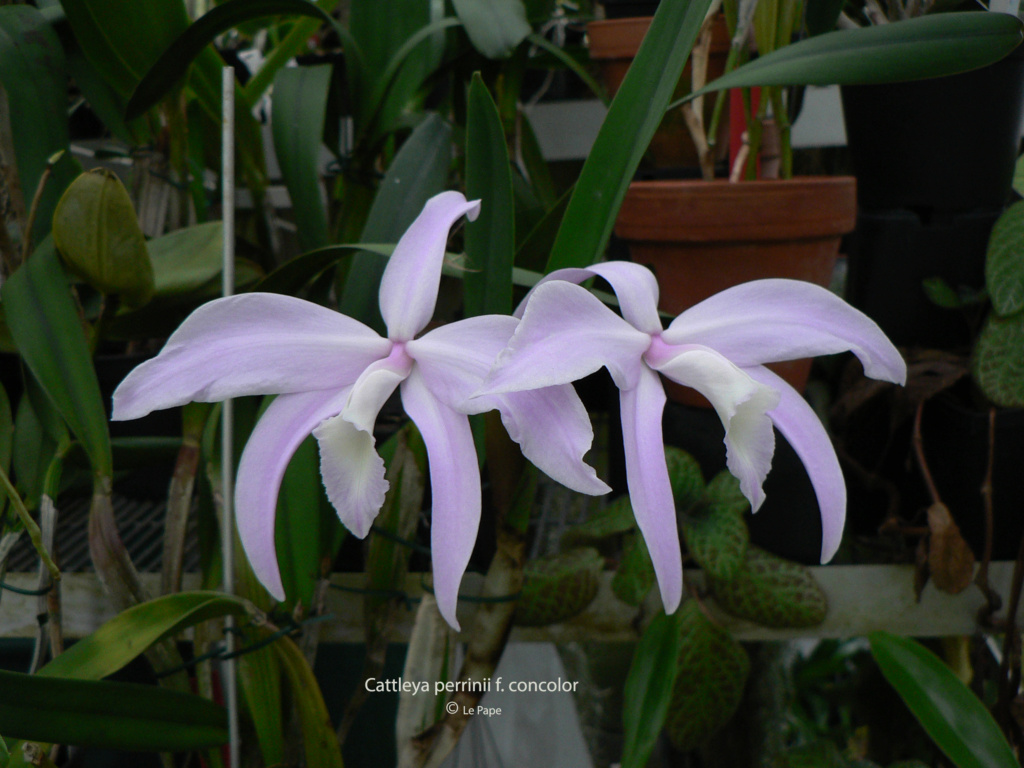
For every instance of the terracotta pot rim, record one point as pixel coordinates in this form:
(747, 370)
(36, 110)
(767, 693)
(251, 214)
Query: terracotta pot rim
(805, 207)
(674, 186)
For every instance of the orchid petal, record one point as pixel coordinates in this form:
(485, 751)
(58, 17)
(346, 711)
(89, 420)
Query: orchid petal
(351, 468)
(454, 489)
(455, 358)
(284, 425)
(255, 343)
(772, 320)
(650, 491)
(740, 402)
(635, 286)
(408, 287)
(566, 333)
(800, 425)
(550, 424)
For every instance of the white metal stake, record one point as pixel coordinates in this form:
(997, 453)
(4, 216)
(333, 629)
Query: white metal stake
(227, 460)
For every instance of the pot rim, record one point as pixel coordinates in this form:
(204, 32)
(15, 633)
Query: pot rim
(694, 210)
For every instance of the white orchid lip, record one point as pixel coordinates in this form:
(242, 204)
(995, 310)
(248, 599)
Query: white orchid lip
(333, 374)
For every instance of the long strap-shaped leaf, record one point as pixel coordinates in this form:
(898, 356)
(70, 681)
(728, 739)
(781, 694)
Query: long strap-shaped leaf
(176, 58)
(632, 119)
(44, 323)
(490, 240)
(914, 49)
(94, 713)
(131, 632)
(297, 118)
(947, 709)
(417, 173)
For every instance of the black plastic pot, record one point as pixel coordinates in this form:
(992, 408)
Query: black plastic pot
(893, 252)
(948, 143)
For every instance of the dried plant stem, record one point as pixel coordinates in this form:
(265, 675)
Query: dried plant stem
(179, 498)
(922, 463)
(10, 188)
(992, 599)
(33, 211)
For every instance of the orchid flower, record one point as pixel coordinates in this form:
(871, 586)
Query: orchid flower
(332, 375)
(718, 347)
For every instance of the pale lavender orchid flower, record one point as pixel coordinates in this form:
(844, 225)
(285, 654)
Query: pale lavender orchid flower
(333, 374)
(718, 347)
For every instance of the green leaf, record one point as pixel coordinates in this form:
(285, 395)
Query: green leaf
(187, 259)
(418, 172)
(940, 293)
(93, 713)
(396, 88)
(686, 478)
(912, 49)
(716, 531)
(297, 117)
(649, 688)
(32, 72)
(259, 674)
(123, 38)
(177, 52)
(998, 365)
(33, 449)
(947, 709)
(490, 240)
(103, 99)
(558, 587)
(291, 276)
(615, 518)
(96, 230)
(821, 16)
(818, 754)
(1004, 262)
(132, 631)
(771, 592)
(318, 737)
(303, 532)
(495, 27)
(711, 672)
(1018, 176)
(400, 50)
(634, 115)
(45, 326)
(634, 577)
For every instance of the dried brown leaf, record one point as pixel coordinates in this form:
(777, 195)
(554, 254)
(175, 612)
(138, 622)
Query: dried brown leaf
(950, 559)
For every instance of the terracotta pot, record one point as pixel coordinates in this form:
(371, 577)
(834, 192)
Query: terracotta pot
(614, 43)
(701, 237)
